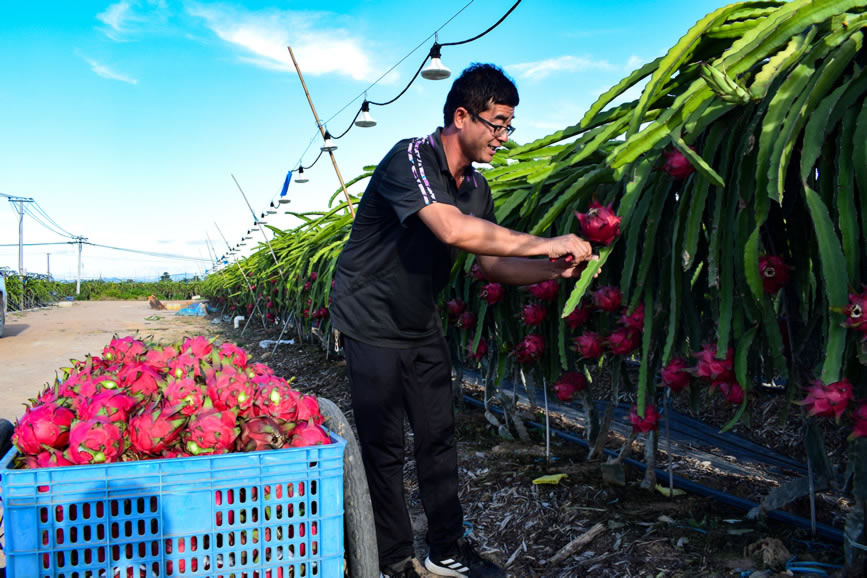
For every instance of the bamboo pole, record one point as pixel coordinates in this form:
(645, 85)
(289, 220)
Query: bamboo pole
(322, 130)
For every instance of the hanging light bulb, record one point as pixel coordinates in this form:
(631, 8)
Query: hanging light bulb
(328, 146)
(364, 119)
(262, 220)
(435, 69)
(272, 210)
(300, 178)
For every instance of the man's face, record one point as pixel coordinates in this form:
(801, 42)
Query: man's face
(485, 132)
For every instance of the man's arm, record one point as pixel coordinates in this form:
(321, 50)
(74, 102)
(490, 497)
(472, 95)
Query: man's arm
(523, 271)
(482, 237)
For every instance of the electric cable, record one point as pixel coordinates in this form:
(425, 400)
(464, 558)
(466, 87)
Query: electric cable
(39, 208)
(148, 253)
(436, 47)
(30, 213)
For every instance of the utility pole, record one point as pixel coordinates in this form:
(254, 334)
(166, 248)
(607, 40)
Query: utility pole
(48, 265)
(80, 241)
(20, 209)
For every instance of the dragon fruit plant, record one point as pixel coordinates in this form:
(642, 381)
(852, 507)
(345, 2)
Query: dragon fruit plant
(136, 402)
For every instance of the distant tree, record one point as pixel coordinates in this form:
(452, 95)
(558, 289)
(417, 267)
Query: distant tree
(165, 276)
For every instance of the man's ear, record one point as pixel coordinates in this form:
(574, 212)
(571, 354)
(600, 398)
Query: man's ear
(461, 117)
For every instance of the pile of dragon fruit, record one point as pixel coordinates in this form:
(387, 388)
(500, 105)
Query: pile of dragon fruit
(137, 403)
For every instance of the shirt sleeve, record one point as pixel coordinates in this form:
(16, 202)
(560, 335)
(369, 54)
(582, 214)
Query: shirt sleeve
(412, 180)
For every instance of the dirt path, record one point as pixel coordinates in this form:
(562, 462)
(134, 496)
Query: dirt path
(37, 343)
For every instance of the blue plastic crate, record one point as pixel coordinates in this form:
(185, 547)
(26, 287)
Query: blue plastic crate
(269, 514)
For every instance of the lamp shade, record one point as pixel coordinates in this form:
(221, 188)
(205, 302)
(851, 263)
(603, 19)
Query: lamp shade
(364, 119)
(328, 146)
(299, 178)
(435, 69)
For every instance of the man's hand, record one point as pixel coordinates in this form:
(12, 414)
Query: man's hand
(565, 246)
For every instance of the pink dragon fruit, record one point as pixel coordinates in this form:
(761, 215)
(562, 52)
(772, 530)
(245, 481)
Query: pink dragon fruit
(675, 375)
(307, 409)
(599, 224)
(481, 350)
(43, 426)
(493, 293)
(230, 389)
(95, 441)
(677, 165)
(455, 307)
(50, 458)
(533, 314)
(123, 350)
(774, 272)
(623, 341)
(234, 355)
(309, 434)
(545, 290)
(260, 433)
(199, 347)
(160, 358)
(860, 429)
(578, 317)
(828, 400)
(607, 298)
(716, 370)
(634, 320)
(275, 398)
(589, 345)
(646, 423)
(529, 349)
(467, 320)
(568, 384)
(854, 312)
(111, 404)
(211, 431)
(186, 394)
(155, 427)
(476, 273)
(140, 380)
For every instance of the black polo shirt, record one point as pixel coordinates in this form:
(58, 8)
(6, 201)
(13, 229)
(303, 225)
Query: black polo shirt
(393, 267)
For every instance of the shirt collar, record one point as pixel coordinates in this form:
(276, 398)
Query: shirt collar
(435, 140)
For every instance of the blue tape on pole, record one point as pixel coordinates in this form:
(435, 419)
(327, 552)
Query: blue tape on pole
(286, 184)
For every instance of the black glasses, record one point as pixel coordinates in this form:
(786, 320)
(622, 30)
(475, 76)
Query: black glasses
(499, 130)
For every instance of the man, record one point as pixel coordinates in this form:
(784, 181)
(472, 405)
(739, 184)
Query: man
(424, 203)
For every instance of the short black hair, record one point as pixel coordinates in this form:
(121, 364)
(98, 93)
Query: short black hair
(478, 87)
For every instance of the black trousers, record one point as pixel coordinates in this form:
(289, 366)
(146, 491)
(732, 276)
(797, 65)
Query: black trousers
(386, 385)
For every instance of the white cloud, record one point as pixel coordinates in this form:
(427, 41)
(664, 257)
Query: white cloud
(265, 35)
(635, 62)
(543, 68)
(105, 72)
(126, 17)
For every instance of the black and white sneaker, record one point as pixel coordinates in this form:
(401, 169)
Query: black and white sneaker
(463, 562)
(402, 569)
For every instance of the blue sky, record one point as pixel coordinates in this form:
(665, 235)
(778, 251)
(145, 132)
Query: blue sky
(125, 121)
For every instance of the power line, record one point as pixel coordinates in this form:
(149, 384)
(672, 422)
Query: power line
(434, 52)
(149, 253)
(50, 220)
